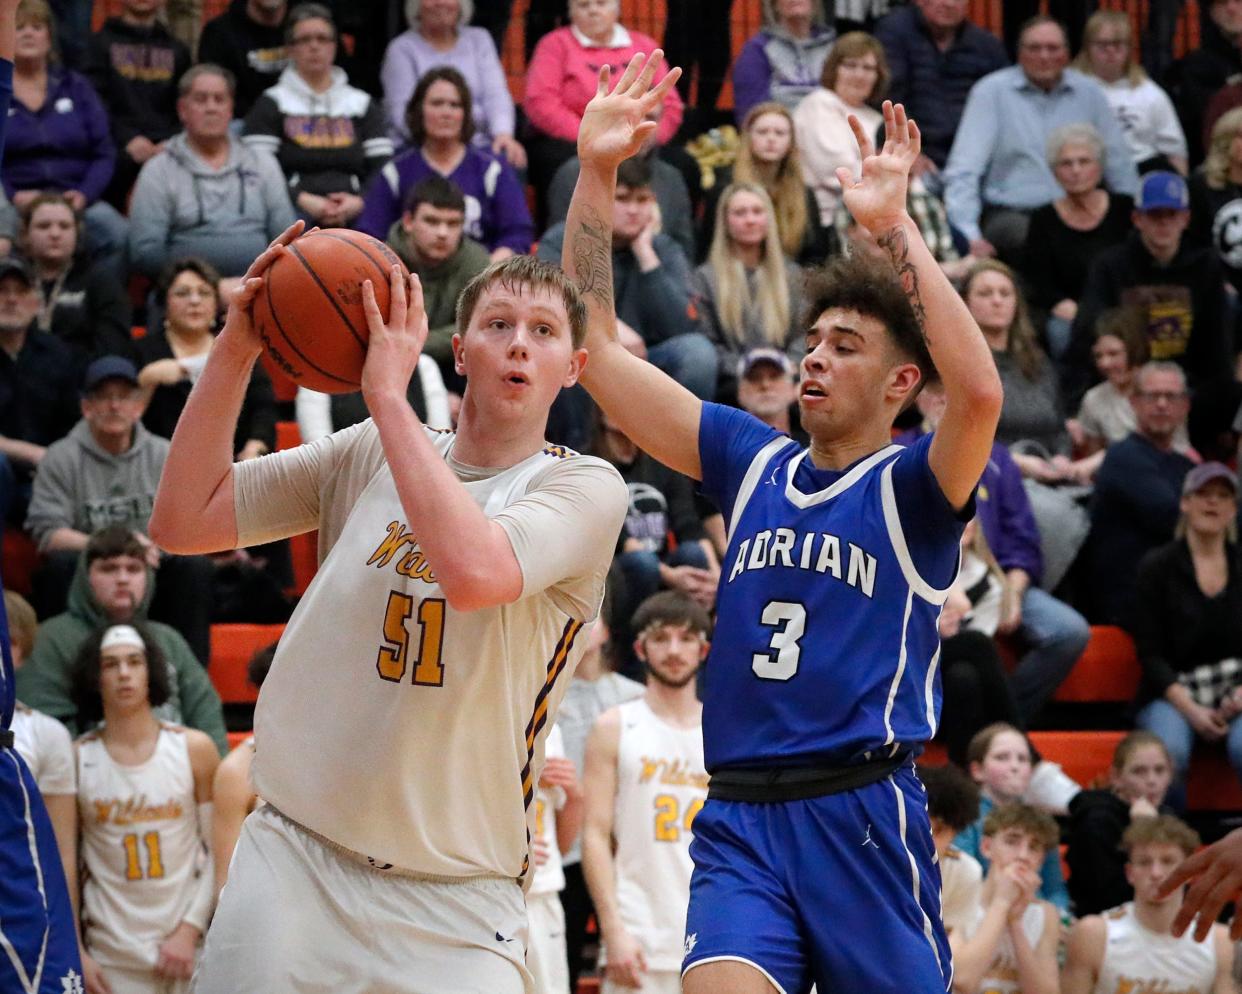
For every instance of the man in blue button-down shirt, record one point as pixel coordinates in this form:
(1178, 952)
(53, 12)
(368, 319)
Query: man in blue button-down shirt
(998, 169)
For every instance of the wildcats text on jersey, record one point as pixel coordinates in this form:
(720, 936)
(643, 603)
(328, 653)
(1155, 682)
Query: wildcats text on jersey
(412, 564)
(134, 810)
(820, 552)
(671, 773)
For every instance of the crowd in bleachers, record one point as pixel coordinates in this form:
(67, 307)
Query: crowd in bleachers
(1080, 182)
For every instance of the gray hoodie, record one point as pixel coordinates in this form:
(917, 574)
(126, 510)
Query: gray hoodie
(81, 485)
(182, 207)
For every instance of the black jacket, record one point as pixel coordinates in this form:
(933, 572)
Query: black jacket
(1097, 821)
(1194, 79)
(39, 390)
(136, 71)
(254, 53)
(1176, 627)
(90, 310)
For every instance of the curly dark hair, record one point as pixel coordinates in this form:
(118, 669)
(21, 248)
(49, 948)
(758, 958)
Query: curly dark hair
(86, 675)
(414, 109)
(951, 795)
(869, 286)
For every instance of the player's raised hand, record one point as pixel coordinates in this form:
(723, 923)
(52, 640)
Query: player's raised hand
(614, 125)
(395, 345)
(877, 199)
(1215, 878)
(239, 324)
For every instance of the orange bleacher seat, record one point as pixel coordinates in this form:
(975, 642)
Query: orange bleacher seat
(288, 436)
(231, 649)
(18, 559)
(304, 550)
(588, 985)
(1108, 670)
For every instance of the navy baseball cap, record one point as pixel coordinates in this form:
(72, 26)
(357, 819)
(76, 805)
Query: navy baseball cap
(12, 265)
(109, 367)
(1163, 191)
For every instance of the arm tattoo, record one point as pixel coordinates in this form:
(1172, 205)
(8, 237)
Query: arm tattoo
(591, 251)
(896, 244)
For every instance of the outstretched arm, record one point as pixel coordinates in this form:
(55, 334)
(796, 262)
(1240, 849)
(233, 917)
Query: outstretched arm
(660, 415)
(963, 441)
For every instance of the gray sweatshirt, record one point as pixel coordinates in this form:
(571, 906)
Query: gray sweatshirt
(182, 207)
(81, 485)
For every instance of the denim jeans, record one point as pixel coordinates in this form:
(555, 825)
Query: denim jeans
(1164, 720)
(691, 360)
(1055, 635)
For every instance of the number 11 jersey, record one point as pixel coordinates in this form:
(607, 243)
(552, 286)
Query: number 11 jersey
(826, 649)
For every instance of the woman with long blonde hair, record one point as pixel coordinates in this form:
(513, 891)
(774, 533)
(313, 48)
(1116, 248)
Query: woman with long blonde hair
(1143, 109)
(1216, 196)
(768, 155)
(748, 291)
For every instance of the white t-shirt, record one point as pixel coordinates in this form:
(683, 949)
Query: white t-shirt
(961, 884)
(391, 724)
(1136, 959)
(1001, 976)
(47, 747)
(1147, 117)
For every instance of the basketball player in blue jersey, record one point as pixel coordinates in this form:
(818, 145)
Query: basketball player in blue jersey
(814, 860)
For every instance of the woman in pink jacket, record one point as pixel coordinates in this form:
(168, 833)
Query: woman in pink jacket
(561, 79)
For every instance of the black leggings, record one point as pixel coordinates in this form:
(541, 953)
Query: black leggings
(976, 691)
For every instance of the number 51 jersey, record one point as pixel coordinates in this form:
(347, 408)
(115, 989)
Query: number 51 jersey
(826, 649)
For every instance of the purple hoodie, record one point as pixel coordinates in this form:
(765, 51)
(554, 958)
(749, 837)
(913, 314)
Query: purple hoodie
(65, 145)
(1003, 510)
(496, 210)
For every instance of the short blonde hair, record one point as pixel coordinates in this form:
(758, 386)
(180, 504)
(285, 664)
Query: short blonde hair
(23, 623)
(1035, 823)
(1216, 165)
(527, 272)
(40, 12)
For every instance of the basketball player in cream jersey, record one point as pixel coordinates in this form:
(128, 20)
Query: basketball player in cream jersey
(400, 731)
(645, 782)
(1131, 949)
(144, 803)
(558, 820)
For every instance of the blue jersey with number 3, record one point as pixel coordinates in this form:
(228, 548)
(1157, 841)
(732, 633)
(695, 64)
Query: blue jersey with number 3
(825, 648)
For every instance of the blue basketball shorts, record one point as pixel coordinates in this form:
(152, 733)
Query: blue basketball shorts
(842, 891)
(36, 919)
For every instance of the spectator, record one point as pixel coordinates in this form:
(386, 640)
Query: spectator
(439, 35)
(1001, 761)
(952, 805)
(1032, 415)
(39, 377)
(172, 358)
(562, 75)
(997, 172)
(1138, 781)
(662, 543)
(248, 40)
(1010, 943)
(441, 125)
(594, 688)
(651, 281)
(667, 183)
(855, 75)
(1065, 235)
(1186, 618)
(1137, 491)
(768, 389)
(783, 62)
(45, 745)
(430, 239)
(134, 63)
(115, 583)
(935, 55)
(58, 137)
(82, 304)
(327, 136)
(1216, 198)
(145, 795)
(1133, 946)
(748, 293)
(1053, 633)
(232, 793)
(1178, 286)
(767, 154)
(208, 196)
(1203, 71)
(1143, 109)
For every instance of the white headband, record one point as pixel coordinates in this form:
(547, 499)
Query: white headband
(121, 635)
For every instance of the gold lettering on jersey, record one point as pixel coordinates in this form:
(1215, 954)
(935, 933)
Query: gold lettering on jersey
(412, 562)
(671, 773)
(1137, 985)
(819, 551)
(135, 810)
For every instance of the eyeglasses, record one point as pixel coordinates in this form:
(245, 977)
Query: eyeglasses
(867, 67)
(322, 39)
(186, 293)
(1155, 396)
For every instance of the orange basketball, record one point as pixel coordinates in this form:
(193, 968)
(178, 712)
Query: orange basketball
(309, 311)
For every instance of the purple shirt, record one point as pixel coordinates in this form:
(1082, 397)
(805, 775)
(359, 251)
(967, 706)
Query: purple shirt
(496, 210)
(410, 55)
